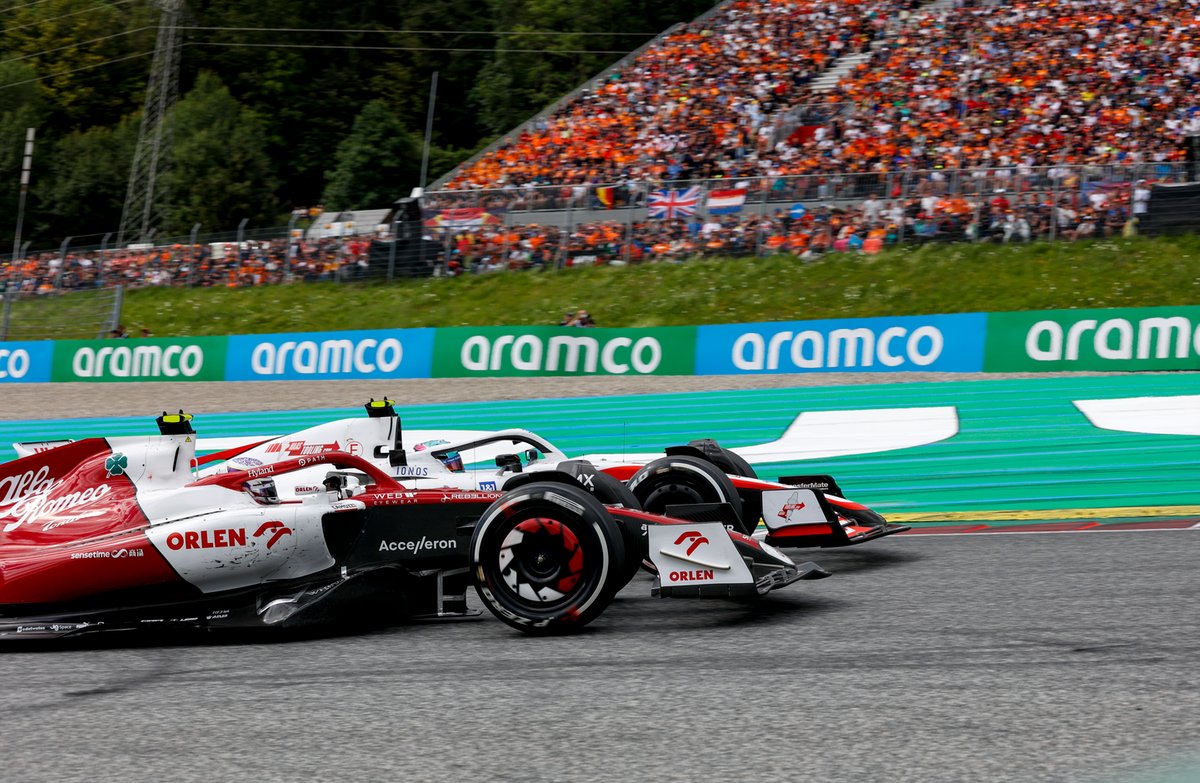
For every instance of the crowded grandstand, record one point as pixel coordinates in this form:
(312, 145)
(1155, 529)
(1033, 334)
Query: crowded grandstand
(780, 126)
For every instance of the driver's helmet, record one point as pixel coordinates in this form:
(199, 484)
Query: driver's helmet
(263, 491)
(453, 461)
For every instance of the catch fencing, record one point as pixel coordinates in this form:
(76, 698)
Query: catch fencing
(595, 223)
(69, 315)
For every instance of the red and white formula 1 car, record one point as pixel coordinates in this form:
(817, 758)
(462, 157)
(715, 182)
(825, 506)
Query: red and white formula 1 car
(796, 511)
(119, 533)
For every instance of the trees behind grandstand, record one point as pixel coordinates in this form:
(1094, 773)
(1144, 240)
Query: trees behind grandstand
(379, 153)
(267, 121)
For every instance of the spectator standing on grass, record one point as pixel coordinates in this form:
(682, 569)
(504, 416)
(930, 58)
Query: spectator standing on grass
(1141, 199)
(580, 318)
(871, 209)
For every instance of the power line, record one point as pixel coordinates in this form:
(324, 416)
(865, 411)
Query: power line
(303, 46)
(277, 45)
(295, 46)
(19, 7)
(70, 46)
(406, 48)
(65, 16)
(75, 70)
(408, 32)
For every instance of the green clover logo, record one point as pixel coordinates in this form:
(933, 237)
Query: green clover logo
(116, 464)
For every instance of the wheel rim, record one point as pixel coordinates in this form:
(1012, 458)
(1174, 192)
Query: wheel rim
(541, 561)
(672, 494)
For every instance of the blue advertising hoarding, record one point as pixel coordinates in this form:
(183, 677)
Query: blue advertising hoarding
(930, 343)
(26, 362)
(377, 353)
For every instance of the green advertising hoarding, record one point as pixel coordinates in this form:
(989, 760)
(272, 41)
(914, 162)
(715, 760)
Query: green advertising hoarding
(1121, 340)
(140, 360)
(464, 352)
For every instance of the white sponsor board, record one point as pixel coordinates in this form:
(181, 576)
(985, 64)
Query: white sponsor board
(567, 353)
(139, 361)
(840, 348)
(1116, 339)
(14, 364)
(336, 356)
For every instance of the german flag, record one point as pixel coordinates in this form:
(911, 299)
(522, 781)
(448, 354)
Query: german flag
(607, 196)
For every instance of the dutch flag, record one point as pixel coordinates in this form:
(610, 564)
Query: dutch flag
(723, 202)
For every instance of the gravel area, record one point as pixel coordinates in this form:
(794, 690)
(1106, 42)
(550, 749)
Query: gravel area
(30, 401)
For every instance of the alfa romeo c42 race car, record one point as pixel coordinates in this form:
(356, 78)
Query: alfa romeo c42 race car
(796, 511)
(120, 533)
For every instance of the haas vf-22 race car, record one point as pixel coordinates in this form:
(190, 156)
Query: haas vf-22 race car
(119, 533)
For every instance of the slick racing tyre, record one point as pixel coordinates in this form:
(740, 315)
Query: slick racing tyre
(608, 491)
(740, 466)
(613, 493)
(680, 480)
(547, 558)
(726, 460)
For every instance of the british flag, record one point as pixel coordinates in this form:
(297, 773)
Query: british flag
(672, 204)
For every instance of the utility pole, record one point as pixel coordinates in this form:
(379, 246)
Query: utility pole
(428, 130)
(26, 165)
(151, 158)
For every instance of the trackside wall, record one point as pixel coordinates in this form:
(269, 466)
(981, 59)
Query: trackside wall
(1120, 340)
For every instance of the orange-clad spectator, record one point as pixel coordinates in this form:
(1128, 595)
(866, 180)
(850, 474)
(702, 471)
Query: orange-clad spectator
(695, 103)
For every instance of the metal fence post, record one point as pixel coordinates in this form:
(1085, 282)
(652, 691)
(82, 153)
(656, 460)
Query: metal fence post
(118, 303)
(62, 263)
(1054, 207)
(149, 240)
(628, 254)
(565, 238)
(6, 317)
(287, 255)
(392, 249)
(192, 254)
(241, 232)
(103, 273)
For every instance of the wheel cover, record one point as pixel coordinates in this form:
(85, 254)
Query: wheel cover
(541, 561)
(671, 494)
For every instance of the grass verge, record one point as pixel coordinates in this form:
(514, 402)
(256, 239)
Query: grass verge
(919, 280)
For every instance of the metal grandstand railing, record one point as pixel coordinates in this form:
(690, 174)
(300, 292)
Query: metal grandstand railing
(1051, 202)
(539, 204)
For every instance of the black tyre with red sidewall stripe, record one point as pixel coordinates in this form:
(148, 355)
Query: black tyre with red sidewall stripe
(547, 558)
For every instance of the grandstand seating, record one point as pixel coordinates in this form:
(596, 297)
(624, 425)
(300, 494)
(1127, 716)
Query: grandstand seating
(966, 120)
(1036, 82)
(697, 103)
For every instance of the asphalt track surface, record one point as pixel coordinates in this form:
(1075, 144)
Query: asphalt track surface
(989, 657)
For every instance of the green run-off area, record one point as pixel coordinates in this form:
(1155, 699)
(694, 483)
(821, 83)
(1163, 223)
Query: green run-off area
(1022, 444)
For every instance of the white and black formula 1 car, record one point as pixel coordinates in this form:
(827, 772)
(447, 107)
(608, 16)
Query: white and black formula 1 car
(796, 511)
(122, 533)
